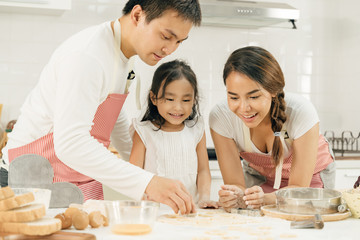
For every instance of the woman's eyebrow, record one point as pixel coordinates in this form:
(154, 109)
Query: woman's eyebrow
(253, 91)
(249, 93)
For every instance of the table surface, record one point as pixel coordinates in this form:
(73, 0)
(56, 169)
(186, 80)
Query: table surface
(244, 227)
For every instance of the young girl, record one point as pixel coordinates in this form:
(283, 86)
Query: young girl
(170, 139)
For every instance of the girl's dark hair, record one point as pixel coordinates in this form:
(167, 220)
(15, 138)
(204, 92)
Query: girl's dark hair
(261, 66)
(163, 76)
(188, 9)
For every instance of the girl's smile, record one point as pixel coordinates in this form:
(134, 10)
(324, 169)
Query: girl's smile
(176, 104)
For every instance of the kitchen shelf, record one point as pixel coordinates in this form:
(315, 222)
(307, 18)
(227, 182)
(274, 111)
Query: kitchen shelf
(44, 7)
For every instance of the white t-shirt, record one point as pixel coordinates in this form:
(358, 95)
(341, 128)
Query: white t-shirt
(172, 154)
(77, 79)
(300, 112)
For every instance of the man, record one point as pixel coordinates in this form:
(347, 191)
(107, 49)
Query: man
(76, 107)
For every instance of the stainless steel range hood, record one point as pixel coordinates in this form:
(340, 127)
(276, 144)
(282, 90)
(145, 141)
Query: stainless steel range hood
(248, 14)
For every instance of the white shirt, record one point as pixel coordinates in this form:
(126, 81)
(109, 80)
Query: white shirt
(77, 79)
(300, 112)
(172, 154)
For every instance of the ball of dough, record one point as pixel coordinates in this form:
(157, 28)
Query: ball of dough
(80, 220)
(71, 211)
(96, 219)
(66, 222)
(106, 221)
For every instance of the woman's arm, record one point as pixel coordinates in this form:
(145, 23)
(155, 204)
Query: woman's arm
(229, 160)
(304, 158)
(231, 194)
(302, 168)
(137, 156)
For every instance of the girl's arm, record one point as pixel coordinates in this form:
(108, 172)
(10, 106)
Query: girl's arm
(137, 156)
(203, 181)
(203, 175)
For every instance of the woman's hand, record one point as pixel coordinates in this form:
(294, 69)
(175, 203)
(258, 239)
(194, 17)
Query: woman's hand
(231, 196)
(206, 203)
(254, 197)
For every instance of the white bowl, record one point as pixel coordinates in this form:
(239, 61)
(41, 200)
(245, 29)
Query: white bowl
(41, 195)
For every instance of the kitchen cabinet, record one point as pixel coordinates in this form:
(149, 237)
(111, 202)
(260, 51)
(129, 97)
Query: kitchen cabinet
(216, 180)
(347, 172)
(47, 7)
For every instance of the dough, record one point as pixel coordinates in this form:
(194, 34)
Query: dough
(96, 219)
(80, 220)
(66, 222)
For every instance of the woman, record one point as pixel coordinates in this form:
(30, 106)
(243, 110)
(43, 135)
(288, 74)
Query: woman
(277, 136)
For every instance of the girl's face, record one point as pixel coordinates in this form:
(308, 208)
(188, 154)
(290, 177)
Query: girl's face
(248, 99)
(176, 104)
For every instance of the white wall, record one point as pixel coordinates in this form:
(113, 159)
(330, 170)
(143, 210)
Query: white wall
(319, 59)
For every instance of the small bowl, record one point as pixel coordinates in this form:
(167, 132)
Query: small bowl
(41, 195)
(129, 217)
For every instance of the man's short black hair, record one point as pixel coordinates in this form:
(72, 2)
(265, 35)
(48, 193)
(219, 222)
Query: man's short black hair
(188, 9)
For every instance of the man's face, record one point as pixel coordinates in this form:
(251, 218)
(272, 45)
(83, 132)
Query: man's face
(161, 37)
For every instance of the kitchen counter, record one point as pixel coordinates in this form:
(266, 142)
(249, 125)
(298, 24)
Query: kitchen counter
(249, 228)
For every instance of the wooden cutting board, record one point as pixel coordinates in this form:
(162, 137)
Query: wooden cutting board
(272, 211)
(60, 235)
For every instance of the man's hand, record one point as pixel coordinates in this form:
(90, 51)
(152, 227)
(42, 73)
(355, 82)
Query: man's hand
(172, 193)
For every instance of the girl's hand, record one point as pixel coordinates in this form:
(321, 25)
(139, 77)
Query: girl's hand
(207, 204)
(254, 197)
(231, 196)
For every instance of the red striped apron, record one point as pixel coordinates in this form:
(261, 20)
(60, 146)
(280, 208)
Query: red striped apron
(265, 166)
(104, 121)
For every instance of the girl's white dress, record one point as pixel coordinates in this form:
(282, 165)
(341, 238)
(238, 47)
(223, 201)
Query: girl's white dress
(172, 154)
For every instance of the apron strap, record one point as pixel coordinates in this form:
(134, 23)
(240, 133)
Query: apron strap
(278, 171)
(130, 66)
(247, 138)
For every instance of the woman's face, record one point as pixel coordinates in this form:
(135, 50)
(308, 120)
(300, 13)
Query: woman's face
(248, 99)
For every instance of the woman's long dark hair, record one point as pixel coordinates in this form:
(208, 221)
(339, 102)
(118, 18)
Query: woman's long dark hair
(261, 66)
(165, 74)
